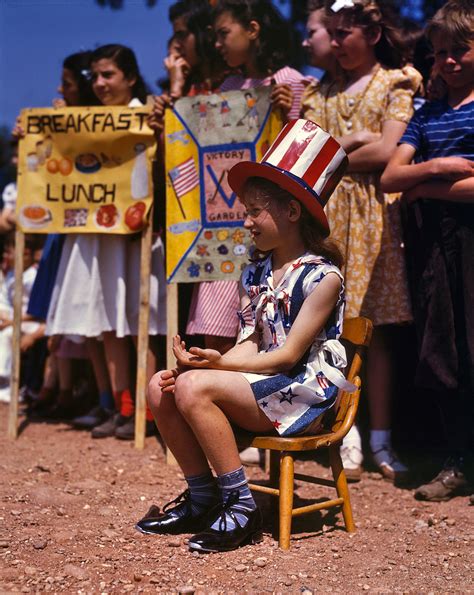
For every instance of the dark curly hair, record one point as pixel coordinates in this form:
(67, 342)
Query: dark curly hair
(126, 61)
(310, 232)
(275, 48)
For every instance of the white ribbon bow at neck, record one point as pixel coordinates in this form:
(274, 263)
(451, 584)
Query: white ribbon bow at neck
(340, 4)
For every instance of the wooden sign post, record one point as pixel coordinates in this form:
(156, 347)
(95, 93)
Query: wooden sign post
(143, 335)
(171, 331)
(12, 431)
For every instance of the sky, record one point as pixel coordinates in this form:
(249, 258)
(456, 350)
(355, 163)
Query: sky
(36, 35)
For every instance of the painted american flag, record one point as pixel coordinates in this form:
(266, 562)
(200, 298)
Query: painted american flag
(184, 177)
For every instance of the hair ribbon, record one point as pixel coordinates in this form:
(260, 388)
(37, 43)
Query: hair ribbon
(340, 4)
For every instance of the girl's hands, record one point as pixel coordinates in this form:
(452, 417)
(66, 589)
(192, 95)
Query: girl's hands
(282, 97)
(58, 102)
(195, 357)
(18, 131)
(178, 70)
(168, 380)
(156, 119)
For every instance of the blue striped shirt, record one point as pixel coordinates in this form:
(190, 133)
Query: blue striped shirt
(437, 130)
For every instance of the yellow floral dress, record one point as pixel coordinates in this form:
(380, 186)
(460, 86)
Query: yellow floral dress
(364, 221)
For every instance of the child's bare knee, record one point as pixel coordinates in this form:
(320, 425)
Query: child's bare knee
(188, 389)
(154, 391)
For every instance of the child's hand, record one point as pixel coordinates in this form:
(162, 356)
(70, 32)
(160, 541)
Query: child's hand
(282, 97)
(168, 380)
(195, 357)
(4, 322)
(454, 168)
(156, 119)
(27, 342)
(178, 70)
(58, 102)
(18, 131)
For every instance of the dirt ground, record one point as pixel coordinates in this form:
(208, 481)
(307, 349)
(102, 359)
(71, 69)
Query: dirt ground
(69, 504)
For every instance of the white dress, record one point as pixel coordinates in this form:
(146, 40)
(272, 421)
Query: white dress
(97, 286)
(293, 400)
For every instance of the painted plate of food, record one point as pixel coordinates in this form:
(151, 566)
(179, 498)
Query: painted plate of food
(135, 216)
(107, 217)
(87, 163)
(35, 216)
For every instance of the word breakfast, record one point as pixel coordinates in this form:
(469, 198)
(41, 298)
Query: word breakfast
(81, 121)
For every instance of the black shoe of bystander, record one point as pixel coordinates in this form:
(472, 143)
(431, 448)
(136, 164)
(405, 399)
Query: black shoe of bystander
(108, 427)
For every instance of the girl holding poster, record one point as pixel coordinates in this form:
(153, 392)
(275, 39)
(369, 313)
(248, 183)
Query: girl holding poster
(96, 293)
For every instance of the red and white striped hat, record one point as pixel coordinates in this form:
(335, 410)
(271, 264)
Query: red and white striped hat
(304, 160)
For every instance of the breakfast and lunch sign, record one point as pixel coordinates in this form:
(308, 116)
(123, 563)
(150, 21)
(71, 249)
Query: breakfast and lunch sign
(205, 136)
(85, 170)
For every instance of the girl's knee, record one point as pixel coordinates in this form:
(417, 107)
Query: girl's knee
(191, 389)
(155, 394)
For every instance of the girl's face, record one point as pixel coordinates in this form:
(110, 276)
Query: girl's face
(318, 41)
(185, 42)
(69, 88)
(265, 219)
(234, 42)
(110, 84)
(350, 44)
(455, 63)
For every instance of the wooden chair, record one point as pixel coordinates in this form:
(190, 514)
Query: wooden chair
(357, 331)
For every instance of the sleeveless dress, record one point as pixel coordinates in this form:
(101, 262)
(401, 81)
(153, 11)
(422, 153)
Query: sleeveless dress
(293, 400)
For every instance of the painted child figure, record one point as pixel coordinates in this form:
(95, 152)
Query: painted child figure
(434, 167)
(286, 367)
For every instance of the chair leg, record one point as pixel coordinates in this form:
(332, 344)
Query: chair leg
(286, 498)
(341, 487)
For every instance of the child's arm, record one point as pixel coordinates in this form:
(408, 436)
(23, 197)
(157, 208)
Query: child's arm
(461, 191)
(27, 341)
(375, 156)
(313, 315)
(401, 174)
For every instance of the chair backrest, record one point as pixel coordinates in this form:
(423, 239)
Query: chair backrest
(357, 331)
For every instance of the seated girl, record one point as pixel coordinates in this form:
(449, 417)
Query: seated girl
(285, 370)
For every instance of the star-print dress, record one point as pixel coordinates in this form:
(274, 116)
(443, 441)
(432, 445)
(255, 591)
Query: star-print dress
(294, 399)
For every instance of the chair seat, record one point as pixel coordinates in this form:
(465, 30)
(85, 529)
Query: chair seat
(296, 443)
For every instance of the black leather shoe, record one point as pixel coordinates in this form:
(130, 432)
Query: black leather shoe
(222, 540)
(169, 522)
(127, 430)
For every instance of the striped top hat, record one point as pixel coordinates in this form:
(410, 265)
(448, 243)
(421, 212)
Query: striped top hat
(304, 160)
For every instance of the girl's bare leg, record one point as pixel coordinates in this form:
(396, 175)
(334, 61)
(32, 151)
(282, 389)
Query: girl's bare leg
(117, 354)
(208, 400)
(379, 380)
(175, 431)
(195, 421)
(95, 350)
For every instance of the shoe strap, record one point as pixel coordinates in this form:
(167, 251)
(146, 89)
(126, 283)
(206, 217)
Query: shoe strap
(226, 509)
(183, 497)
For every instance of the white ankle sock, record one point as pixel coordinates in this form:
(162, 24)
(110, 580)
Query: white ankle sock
(352, 438)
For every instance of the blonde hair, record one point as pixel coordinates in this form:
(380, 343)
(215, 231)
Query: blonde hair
(455, 20)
